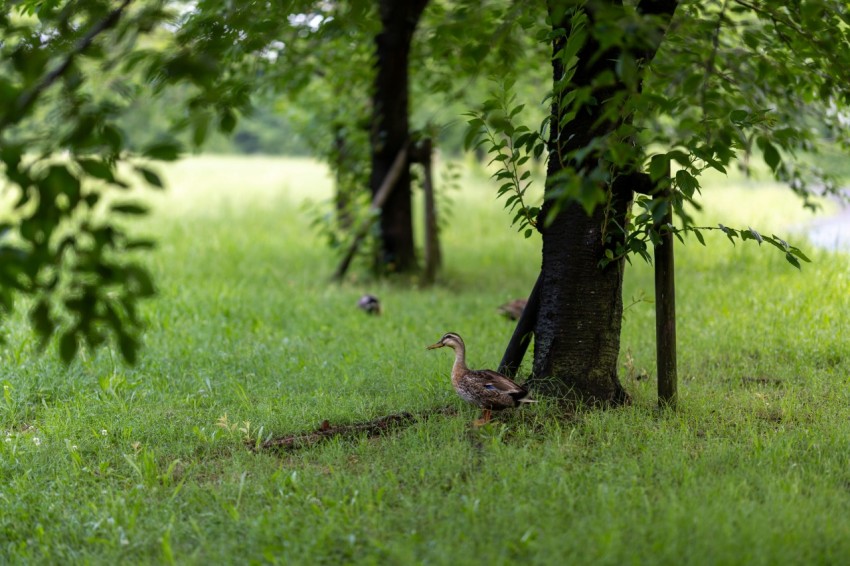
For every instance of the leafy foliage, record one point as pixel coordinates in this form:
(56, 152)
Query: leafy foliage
(723, 81)
(70, 71)
(60, 151)
(512, 148)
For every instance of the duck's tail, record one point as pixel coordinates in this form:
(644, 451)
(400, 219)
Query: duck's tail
(523, 397)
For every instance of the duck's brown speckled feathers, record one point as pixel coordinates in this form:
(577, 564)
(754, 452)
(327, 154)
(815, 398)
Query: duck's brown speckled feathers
(488, 389)
(513, 310)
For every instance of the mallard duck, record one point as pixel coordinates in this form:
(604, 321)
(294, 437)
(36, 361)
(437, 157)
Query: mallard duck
(513, 310)
(488, 389)
(370, 304)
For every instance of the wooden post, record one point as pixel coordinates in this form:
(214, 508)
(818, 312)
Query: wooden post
(521, 337)
(665, 305)
(433, 257)
(377, 202)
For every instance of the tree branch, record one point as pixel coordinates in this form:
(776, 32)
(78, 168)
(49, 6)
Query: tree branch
(776, 19)
(664, 10)
(26, 100)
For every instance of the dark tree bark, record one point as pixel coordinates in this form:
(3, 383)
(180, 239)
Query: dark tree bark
(390, 127)
(577, 332)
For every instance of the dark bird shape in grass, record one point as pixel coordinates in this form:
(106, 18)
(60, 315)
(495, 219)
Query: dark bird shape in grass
(370, 304)
(488, 389)
(513, 310)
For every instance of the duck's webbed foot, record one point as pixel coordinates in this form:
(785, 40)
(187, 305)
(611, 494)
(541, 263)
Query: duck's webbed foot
(485, 418)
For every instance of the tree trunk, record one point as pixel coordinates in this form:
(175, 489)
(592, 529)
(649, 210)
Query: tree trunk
(390, 130)
(577, 332)
(577, 335)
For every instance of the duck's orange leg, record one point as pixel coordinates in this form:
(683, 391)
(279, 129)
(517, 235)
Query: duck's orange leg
(485, 418)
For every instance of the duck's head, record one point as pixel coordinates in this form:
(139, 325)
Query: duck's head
(449, 339)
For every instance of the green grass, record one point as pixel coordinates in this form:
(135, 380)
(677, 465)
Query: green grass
(246, 339)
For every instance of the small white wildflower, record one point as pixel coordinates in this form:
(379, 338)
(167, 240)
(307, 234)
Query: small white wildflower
(103, 432)
(36, 440)
(8, 439)
(73, 448)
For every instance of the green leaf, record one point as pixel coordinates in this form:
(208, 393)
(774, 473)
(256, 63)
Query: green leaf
(150, 177)
(133, 209)
(769, 153)
(659, 167)
(797, 252)
(227, 121)
(165, 150)
(68, 346)
(128, 346)
(687, 183)
(200, 125)
(113, 138)
(699, 237)
(739, 116)
(782, 243)
(11, 155)
(139, 281)
(793, 261)
(140, 245)
(472, 133)
(97, 168)
(730, 233)
(627, 68)
(61, 181)
(680, 157)
(42, 321)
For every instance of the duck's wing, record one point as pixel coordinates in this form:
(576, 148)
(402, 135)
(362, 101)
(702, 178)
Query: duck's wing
(497, 383)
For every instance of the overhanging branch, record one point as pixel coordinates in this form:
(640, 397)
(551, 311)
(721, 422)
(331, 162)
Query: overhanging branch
(30, 96)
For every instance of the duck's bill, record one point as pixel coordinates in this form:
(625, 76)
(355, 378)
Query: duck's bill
(432, 346)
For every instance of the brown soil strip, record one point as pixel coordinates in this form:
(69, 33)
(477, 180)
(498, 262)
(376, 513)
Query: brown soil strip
(372, 428)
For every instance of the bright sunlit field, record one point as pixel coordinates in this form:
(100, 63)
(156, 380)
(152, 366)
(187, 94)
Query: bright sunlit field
(105, 463)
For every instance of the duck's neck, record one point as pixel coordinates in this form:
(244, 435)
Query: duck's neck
(459, 367)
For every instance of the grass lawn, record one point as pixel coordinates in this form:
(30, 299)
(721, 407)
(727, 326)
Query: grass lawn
(103, 463)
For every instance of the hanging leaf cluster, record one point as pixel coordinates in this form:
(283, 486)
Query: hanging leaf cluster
(69, 72)
(721, 82)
